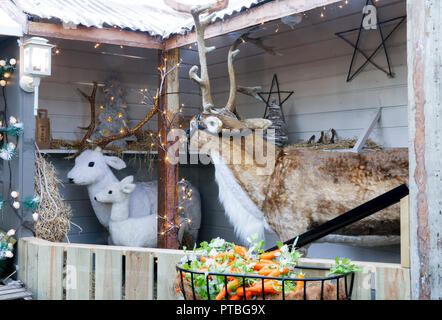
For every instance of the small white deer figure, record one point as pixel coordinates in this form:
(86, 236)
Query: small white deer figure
(93, 170)
(126, 231)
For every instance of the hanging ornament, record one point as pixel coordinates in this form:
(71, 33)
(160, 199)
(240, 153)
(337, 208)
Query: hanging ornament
(16, 205)
(15, 128)
(8, 152)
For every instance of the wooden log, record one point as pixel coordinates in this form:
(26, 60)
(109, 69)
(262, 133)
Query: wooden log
(139, 283)
(108, 275)
(168, 172)
(50, 273)
(425, 150)
(78, 273)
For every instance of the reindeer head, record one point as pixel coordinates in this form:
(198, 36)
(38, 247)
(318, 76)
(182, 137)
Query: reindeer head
(212, 120)
(92, 165)
(117, 192)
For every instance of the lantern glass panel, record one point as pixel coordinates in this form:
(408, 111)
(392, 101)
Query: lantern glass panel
(27, 60)
(40, 60)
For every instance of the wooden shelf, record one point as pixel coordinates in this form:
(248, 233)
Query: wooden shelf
(68, 151)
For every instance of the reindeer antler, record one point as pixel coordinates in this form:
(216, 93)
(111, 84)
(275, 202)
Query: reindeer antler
(203, 81)
(91, 127)
(85, 142)
(233, 51)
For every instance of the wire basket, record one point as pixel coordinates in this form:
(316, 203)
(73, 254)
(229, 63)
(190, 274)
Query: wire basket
(336, 287)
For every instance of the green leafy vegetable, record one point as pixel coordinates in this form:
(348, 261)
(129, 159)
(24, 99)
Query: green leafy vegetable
(343, 266)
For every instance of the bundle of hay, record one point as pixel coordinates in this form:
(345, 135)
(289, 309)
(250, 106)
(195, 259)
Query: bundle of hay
(53, 222)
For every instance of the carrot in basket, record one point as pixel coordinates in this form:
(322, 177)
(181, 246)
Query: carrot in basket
(230, 286)
(221, 294)
(264, 271)
(270, 255)
(269, 287)
(240, 292)
(240, 250)
(203, 259)
(300, 284)
(229, 254)
(264, 263)
(235, 297)
(260, 265)
(285, 270)
(274, 273)
(270, 262)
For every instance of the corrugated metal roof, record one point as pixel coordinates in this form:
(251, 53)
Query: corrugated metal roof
(152, 16)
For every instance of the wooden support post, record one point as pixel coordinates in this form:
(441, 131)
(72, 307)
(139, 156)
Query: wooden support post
(424, 50)
(405, 232)
(167, 172)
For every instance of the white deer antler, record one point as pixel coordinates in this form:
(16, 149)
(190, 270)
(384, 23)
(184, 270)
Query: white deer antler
(203, 80)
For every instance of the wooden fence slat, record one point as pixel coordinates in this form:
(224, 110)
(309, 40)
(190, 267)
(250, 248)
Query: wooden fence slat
(139, 276)
(78, 273)
(22, 249)
(32, 269)
(392, 283)
(362, 285)
(166, 272)
(405, 232)
(108, 275)
(50, 273)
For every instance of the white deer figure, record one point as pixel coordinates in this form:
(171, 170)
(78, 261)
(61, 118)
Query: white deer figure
(126, 231)
(299, 189)
(92, 169)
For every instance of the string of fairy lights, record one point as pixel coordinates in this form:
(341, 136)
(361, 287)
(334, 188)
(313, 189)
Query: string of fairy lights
(12, 128)
(172, 224)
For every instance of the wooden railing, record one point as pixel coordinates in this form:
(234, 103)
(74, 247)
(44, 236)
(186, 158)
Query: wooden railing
(62, 271)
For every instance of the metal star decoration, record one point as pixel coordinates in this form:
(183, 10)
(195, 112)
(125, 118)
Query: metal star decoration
(275, 82)
(368, 58)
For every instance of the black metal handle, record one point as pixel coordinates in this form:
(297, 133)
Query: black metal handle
(364, 210)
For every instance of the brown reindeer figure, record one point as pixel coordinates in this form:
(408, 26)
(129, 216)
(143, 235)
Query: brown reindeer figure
(295, 190)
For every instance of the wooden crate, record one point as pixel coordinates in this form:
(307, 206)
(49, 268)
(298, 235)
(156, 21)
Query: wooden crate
(83, 272)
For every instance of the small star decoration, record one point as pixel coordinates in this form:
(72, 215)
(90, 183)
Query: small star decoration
(278, 91)
(383, 37)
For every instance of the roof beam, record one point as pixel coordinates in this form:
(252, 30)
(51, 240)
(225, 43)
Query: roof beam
(97, 35)
(267, 12)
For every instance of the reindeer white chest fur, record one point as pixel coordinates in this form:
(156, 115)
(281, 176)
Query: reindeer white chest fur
(242, 212)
